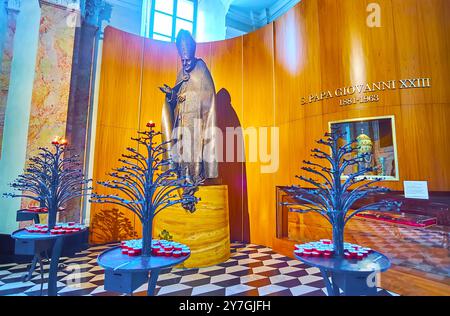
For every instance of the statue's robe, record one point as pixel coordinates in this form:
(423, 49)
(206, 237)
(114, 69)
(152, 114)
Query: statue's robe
(193, 101)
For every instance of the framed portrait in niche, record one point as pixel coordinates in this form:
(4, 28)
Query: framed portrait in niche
(375, 136)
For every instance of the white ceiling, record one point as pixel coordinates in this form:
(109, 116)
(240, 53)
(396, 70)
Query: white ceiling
(241, 16)
(253, 5)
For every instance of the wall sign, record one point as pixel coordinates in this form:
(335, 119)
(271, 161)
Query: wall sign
(416, 190)
(352, 94)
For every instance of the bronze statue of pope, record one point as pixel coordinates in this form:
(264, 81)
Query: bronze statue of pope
(189, 115)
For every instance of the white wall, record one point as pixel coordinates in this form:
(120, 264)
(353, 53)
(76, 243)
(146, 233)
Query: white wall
(3, 22)
(126, 15)
(17, 114)
(211, 20)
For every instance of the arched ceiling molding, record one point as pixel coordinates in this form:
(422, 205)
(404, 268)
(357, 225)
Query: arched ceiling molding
(135, 5)
(226, 4)
(12, 4)
(241, 20)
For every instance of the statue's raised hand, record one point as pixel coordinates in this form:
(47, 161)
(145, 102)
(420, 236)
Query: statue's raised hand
(167, 90)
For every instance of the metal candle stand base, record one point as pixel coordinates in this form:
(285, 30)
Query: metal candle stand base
(124, 274)
(354, 277)
(124, 282)
(39, 245)
(128, 282)
(351, 284)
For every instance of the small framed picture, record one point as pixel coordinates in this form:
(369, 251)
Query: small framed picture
(375, 138)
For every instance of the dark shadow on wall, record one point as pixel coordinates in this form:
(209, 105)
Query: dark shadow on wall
(233, 173)
(111, 225)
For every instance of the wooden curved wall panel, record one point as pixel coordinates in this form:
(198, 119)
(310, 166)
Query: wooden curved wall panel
(259, 113)
(122, 65)
(160, 67)
(227, 69)
(353, 53)
(118, 112)
(261, 77)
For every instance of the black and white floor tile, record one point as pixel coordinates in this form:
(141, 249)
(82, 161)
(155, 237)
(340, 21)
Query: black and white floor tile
(252, 270)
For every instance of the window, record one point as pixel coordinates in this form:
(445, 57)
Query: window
(162, 19)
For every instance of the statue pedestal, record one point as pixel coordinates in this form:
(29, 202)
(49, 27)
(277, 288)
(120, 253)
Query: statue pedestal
(206, 231)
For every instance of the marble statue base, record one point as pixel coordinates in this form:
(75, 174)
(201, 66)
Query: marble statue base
(206, 231)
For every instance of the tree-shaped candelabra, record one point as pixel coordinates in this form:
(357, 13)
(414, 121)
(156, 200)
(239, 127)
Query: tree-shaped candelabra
(52, 178)
(147, 184)
(332, 198)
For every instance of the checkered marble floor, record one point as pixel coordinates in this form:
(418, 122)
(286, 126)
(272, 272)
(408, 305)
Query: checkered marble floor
(252, 270)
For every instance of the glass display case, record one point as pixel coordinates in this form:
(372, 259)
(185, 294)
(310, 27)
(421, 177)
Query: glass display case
(416, 239)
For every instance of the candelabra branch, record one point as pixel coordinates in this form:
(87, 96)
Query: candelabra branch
(333, 199)
(320, 174)
(52, 178)
(148, 189)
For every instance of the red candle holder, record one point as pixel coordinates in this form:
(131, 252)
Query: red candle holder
(138, 251)
(326, 241)
(55, 140)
